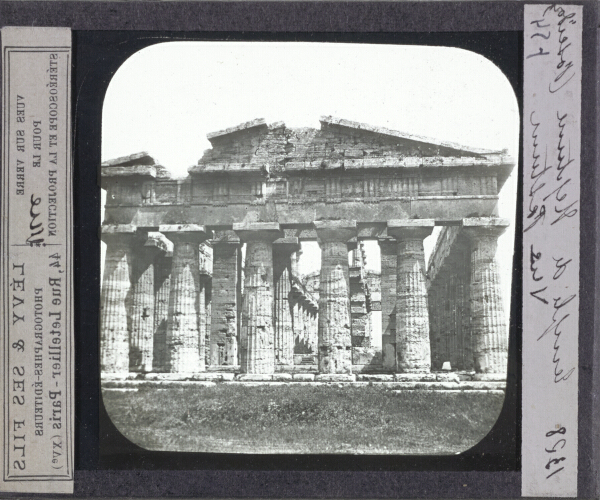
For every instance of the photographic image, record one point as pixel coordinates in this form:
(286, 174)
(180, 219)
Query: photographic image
(307, 248)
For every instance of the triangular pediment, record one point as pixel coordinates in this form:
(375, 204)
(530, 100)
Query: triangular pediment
(256, 146)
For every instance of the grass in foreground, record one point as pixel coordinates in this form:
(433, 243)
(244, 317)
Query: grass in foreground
(303, 419)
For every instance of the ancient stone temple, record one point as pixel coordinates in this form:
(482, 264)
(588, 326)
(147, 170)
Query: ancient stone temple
(201, 273)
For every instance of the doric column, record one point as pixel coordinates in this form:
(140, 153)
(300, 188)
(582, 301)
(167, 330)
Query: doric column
(185, 327)
(257, 336)
(224, 308)
(300, 343)
(162, 289)
(313, 339)
(335, 340)
(282, 276)
(205, 267)
(435, 305)
(489, 332)
(389, 261)
(116, 286)
(141, 346)
(413, 351)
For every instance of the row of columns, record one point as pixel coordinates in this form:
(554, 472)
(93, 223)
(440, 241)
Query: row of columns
(264, 333)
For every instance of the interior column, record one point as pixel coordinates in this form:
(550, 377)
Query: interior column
(335, 335)
(389, 259)
(282, 275)
(224, 308)
(162, 290)
(413, 350)
(150, 246)
(185, 327)
(258, 354)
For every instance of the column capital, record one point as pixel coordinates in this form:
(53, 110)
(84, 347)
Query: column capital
(117, 231)
(410, 229)
(226, 237)
(481, 227)
(286, 245)
(185, 232)
(335, 230)
(258, 231)
(387, 243)
(158, 241)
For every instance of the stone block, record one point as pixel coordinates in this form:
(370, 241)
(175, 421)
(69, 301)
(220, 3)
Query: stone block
(305, 359)
(335, 377)
(173, 384)
(483, 386)
(172, 376)
(465, 376)
(389, 355)
(224, 368)
(490, 377)
(303, 377)
(254, 377)
(108, 377)
(281, 377)
(447, 377)
(411, 386)
(212, 376)
(366, 356)
(371, 368)
(259, 123)
(414, 377)
(375, 377)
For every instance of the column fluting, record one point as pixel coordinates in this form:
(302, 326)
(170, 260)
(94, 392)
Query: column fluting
(162, 290)
(150, 245)
(224, 308)
(186, 323)
(115, 298)
(413, 350)
(389, 261)
(282, 276)
(489, 329)
(334, 331)
(257, 336)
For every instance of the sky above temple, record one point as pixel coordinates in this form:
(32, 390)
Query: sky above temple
(165, 99)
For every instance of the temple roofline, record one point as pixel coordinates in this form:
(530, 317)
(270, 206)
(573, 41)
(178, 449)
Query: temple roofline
(341, 122)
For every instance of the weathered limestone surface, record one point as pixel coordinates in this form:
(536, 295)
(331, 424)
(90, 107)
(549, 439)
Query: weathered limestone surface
(449, 311)
(116, 286)
(389, 262)
(282, 275)
(205, 267)
(162, 288)
(335, 336)
(294, 177)
(225, 285)
(304, 316)
(141, 344)
(185, 327)
(413, 351)
(488, 321)
(257, 335)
